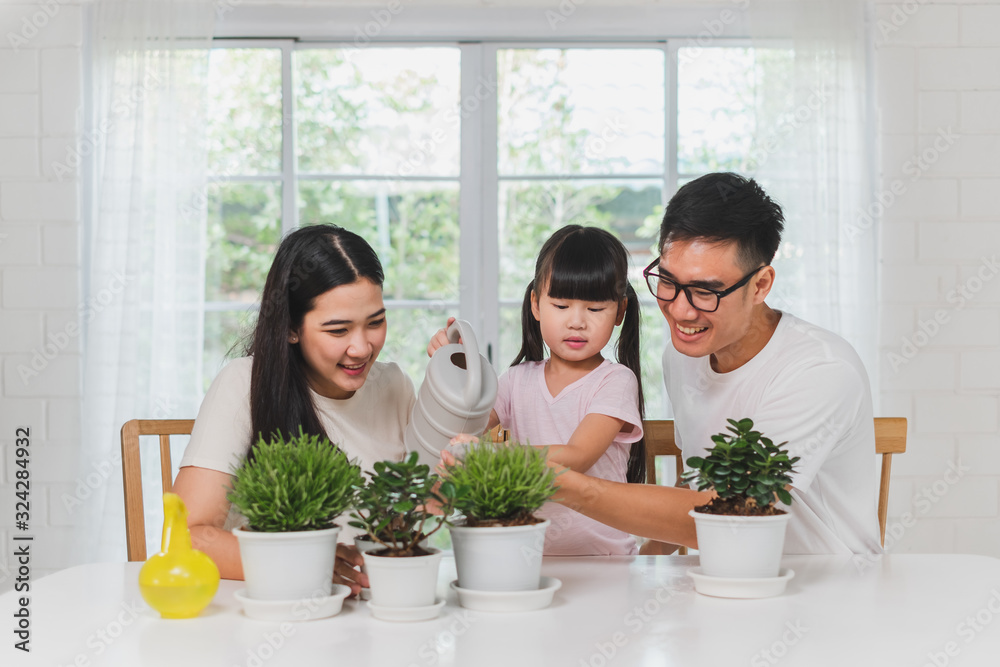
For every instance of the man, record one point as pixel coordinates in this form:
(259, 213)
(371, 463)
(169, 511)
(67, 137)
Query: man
(733, 356)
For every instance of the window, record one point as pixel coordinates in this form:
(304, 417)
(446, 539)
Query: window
(401, 144)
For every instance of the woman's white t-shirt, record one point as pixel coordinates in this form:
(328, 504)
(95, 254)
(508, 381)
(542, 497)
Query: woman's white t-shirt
(807, 387)
(368, 426)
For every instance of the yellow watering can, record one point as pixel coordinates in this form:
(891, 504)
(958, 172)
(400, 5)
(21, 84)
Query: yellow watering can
(179, 581)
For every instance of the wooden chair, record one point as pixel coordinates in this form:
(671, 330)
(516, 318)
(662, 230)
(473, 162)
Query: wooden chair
(135, 523)
(890, 438)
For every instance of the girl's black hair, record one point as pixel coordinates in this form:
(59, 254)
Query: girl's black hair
(310, 261)
(590, 264)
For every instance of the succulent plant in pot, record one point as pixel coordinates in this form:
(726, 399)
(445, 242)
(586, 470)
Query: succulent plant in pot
(396, 509)
(498, 545)
(741, 532)
(291, 492)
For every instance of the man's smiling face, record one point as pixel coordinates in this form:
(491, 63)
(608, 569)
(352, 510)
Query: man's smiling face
(714, 266)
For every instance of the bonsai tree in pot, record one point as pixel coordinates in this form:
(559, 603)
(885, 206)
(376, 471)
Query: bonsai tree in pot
(290, 492)
(396, 509)
(741, 532)
(498, 545)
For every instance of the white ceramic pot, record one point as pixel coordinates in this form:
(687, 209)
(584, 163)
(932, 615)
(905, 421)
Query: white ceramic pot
(403, 582)
(364, 546)
(740, 546)
(501, 558)
(288, 566)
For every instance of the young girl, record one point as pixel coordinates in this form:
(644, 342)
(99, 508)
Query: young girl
(586, 409)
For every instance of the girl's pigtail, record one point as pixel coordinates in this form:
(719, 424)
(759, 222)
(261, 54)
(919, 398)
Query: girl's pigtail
(532, 346)
(627, 351)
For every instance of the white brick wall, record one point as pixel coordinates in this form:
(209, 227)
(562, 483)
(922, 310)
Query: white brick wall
(40, 103)
(941, 71)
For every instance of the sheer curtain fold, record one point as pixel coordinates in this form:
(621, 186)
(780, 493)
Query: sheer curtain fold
(816, 157)
(143, 244)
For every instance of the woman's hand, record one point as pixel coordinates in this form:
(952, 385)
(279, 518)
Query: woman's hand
(440, 338)
(347, 569)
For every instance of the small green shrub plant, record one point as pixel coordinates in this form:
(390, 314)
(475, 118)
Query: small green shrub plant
(747, 471)
(501, 485)
(302, 483)
(397, 506)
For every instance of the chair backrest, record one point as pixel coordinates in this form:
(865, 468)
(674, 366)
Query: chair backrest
(890, 438)
(135, 523)
(659, 435)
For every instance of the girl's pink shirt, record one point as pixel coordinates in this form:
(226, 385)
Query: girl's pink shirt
(534, 416)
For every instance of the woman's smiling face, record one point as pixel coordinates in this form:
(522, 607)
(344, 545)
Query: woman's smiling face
(341, 337)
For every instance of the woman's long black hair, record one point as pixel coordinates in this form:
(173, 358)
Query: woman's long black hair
(590, 264)
(310, 261)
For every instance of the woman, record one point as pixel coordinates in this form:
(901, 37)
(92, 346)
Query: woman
(311, 361)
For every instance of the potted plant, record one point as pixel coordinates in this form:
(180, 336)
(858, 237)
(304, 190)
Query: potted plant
(498, 545)
(741, 532)
(290, 492)
(395, 509)
(364, 543)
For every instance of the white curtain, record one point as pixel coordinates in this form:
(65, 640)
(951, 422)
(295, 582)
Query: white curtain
(143, 245)
(814, 152)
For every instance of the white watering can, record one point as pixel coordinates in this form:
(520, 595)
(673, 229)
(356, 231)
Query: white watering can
(459, 389)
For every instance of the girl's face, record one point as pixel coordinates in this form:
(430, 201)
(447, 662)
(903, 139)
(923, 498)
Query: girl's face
(341, 337)
(576, 330)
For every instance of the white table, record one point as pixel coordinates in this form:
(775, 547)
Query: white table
(893, 610)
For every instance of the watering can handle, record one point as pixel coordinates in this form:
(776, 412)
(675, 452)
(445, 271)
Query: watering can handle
(460, 329)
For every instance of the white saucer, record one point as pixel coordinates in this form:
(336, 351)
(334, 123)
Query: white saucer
(306, 609)
(728, 587)
(509, 600)
(406, 613)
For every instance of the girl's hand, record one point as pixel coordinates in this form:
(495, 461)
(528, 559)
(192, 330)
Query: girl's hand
(440, 338)
(456, 446)
(347, 569)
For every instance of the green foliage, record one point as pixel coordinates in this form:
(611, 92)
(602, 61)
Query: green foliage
(393, 507)
(300, 484)
(505, 483)
(745, 465)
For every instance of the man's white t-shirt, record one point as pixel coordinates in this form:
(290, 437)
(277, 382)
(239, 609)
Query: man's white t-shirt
(807, 387)
(368, 426)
